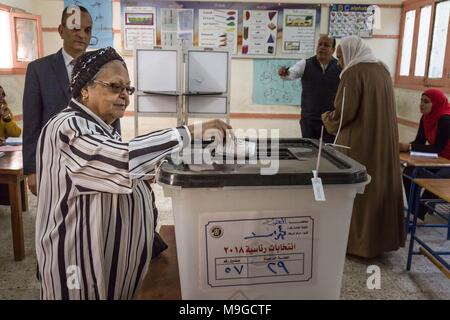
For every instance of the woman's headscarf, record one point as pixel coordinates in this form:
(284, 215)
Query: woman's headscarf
(88, 65)
(440, 107)
(355, 51)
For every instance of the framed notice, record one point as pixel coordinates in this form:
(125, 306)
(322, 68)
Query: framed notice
(351, 19)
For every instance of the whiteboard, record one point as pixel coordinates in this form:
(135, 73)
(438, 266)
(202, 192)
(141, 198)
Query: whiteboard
(205, 104)
(156, 70)
(207, 71)
(157, 104)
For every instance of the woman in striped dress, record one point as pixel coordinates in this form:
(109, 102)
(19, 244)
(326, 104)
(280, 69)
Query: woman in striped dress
(94, 225)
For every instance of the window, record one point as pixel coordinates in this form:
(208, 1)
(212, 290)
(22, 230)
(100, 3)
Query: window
(20, 40)
(424, 48)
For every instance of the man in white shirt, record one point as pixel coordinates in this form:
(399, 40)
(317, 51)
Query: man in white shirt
(320, 79)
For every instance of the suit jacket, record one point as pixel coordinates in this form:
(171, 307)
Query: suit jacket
(46, 94)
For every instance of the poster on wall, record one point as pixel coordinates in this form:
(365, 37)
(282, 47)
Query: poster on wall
(299, 31)
(177, 24)
(351, 19)
(269, 88)
(101, 13)
(218, 28)
(139, 27)
(221, 25)
(259, 35)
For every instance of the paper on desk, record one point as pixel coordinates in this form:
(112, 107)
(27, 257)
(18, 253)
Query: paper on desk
(423, 154)
(13, 141)
(10, 148)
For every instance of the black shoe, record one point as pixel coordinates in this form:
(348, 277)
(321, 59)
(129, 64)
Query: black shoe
(158, 245)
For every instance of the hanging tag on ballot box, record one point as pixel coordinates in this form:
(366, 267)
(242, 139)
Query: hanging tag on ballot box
(319, 194)
(317, 187)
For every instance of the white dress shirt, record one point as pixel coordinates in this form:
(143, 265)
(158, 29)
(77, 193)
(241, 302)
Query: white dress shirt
(68, 59)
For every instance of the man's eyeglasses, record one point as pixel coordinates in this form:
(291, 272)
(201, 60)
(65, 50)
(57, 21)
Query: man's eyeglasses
(116, 87)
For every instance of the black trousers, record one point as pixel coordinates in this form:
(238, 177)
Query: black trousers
(311, 129)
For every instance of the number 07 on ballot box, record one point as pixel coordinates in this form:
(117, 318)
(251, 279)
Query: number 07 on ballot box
(244, 234)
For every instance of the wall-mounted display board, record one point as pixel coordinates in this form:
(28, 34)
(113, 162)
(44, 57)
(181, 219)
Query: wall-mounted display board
(351, 19)
(269, 88)
(179, 81)
(255, 30)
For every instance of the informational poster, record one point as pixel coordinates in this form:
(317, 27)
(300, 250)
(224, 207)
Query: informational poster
(259, 35)
(299, 31)
(351, 19)
(139, 27)
(101, 13)
(257, 250)
(177, 24)
(218, 28)
(269, 88)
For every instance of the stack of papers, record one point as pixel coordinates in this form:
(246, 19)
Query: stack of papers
(424, 154)
(13, 141)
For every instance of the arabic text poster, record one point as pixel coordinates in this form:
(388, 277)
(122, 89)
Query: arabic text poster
(260, 32)
(218, 28)
(139, 27)
(299, 31)
(177, 24)
(258, 251)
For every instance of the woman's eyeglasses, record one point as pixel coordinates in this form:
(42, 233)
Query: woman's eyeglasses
(116, 87)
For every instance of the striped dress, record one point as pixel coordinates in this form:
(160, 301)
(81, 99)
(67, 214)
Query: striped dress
(94, 225)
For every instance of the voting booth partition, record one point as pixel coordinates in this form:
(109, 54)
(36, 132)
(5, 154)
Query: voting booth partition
(181, 82)
(253, 230)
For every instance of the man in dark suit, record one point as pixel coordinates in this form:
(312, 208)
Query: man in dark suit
(47, 85)
(47, 92)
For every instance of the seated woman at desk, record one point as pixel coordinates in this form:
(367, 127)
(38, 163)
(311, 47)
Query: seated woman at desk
(94, 223)
(8, 126)
(433, 137)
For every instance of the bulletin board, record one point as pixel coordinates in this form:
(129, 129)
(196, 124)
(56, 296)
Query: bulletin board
(247, 30)
(351, 19)
(269, 88)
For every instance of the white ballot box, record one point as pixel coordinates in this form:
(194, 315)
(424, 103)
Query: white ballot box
(244, 234)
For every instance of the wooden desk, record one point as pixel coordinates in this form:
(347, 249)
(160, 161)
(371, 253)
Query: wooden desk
(423, 161)
(441, 188)
(11, 174)
(418, 163)
(163, 280)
